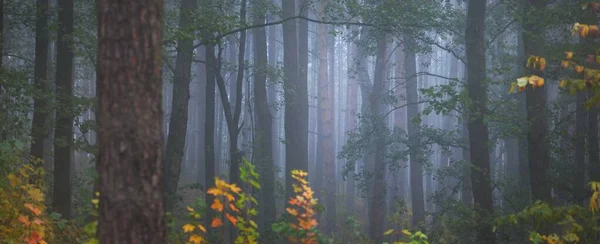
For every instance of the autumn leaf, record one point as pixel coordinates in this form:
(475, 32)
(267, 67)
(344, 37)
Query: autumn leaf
(564, 64)
(217, 205)
(231, 219)
(292, 211)
(36, 195)
(583, 30)
(579, 68)
(196, 239)
(24, 219)
(38, 221)
(201, 228)
(188, 228)
(542, 63)
(216, 222)
(569, 55)
(388, 232)
(562, 84)
(33, 209)
(33, 238)
(235, 189)
(522, 82)
(512, 88)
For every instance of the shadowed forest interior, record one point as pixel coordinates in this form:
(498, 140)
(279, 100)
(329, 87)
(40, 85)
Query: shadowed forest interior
(299, 121)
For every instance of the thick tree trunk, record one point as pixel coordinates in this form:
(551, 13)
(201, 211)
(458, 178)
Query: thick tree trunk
(326, 134)
(130, 138)
(263, 140)
(377, 198)
(478, 130)
(42, 85)
(179, 106)
(296, 101)
(63, 130)
(414, 135)
(539, 158)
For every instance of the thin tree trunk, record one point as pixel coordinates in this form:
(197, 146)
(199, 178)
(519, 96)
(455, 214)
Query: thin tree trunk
(129, 135)
(179, 106)
(63, 131)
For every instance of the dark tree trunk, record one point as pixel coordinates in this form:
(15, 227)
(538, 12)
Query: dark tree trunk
(209, 125)
(478, 130)
(414, 134)
(130, 135)
(533, 39)
(63, 130)
(296, 101)
(40, 73)
(263, 140)
(377, 201)
(179, 106)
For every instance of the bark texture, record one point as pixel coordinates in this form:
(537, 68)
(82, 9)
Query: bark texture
(130, 121)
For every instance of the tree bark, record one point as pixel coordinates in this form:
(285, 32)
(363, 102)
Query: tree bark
(414, 134)
(63, 130)
(40, 109)
(478, 130)
(130, 138)
(263, 140)
(296, 101)
(534, 36)
(179, 106)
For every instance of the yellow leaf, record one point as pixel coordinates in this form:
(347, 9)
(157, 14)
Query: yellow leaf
(388, 232)
(513, 86)
(36, 195)
(235, 189)
(291, 211)
(584, 30)
(406, 232)
(14, 180)
(542, 63)
(579, 68)
(569, 55)
(522, 82)
(196, 239)
(95, 201)
(562, 84)
(201, 228)
(190, 209)
(188, 228)
(564, 64)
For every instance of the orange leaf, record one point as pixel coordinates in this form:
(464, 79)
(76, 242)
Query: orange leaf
(216, 222)
(231, 219)
(38, 221)
(233, 208)
(578, 68)
(564, 64)
(33, 238)
(33, 209)
(217, 205)
(542, 63)
(24, 219)
(292, 211)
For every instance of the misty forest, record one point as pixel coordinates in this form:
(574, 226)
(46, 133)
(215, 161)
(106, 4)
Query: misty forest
(299, 121)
